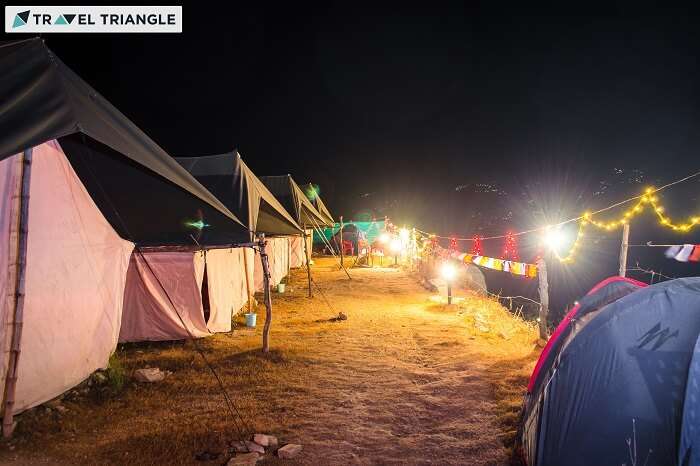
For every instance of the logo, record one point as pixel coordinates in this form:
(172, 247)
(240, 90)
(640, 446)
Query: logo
(20, 19)
(112, 19)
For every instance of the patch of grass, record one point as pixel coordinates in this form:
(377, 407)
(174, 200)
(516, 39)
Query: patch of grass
(116, 376)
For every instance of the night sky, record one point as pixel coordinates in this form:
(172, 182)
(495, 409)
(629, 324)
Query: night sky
(399, 112)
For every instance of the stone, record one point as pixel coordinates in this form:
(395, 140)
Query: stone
(265, 440)
(100, 378)
(255, 447)
(149, 375)
(244, 459)
(239, 447)
(289, 451)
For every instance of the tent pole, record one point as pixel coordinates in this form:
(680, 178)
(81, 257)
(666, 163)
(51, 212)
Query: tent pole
(341, 242)
(247, 281)
(268, 298)
(308, 262)
(623, 249)
(8, 424)
(544, 298)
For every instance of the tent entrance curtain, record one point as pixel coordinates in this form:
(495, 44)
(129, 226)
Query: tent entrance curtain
(148, 313)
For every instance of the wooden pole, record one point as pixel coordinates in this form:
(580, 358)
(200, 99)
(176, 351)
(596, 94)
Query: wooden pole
(544, 298)
(247, 281)
(623, 249)
(8, 424)
(341, 242)
(268, 297)
(308, 262)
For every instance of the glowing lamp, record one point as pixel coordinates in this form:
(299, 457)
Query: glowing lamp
(448, 271)
(554, 239)
(404, 234)
(396, 247)
(384, 238)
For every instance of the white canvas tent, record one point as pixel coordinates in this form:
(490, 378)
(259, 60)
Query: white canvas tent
(76, 268)
(232, 274)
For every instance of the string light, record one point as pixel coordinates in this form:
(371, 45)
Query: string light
(476, 246)
(647, 199)
(453, 244)
(510, 248)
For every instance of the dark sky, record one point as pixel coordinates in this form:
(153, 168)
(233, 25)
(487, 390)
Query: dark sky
(402, 105)
(391, 110)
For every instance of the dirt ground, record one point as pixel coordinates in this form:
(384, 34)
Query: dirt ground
(404, 380)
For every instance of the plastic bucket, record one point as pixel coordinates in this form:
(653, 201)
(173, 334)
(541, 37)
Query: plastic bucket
(281, 287)
(250, 319)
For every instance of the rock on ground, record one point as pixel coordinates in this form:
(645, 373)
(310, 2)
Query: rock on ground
(289, 451)
(254, 447)
(265, 440)
(149, 375)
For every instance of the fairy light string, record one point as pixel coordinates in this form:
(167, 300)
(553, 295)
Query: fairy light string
(645, 200)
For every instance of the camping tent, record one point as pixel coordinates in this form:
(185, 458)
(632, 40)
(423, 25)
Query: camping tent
(291, 196)
(80, 185)
(371, 229)
(211, 285)
(625, 369)
(231, 181)
(312, 193)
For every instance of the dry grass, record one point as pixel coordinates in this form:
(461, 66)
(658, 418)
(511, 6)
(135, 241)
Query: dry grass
(403, 381)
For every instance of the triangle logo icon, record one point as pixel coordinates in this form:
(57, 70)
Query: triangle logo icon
(61, 20)
(21, 19)
(69, 18)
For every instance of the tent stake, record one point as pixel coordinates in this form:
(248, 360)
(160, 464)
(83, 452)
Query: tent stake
(308, 262)
(544, 298)
(268, 298)
(623, 248)
(18, 311)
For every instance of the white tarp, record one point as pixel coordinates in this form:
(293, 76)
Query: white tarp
(278, 253)
(149, 314)
(227, 285)
(76, 267)
(297, 256)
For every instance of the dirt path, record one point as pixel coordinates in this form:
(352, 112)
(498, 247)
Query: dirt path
(402, 381)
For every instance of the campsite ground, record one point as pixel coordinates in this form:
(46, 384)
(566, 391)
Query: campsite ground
(404, 380)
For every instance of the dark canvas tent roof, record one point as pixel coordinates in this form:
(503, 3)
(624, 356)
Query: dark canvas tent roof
(146, 195)
(293, 199)
(312, 194)
(234, 183)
